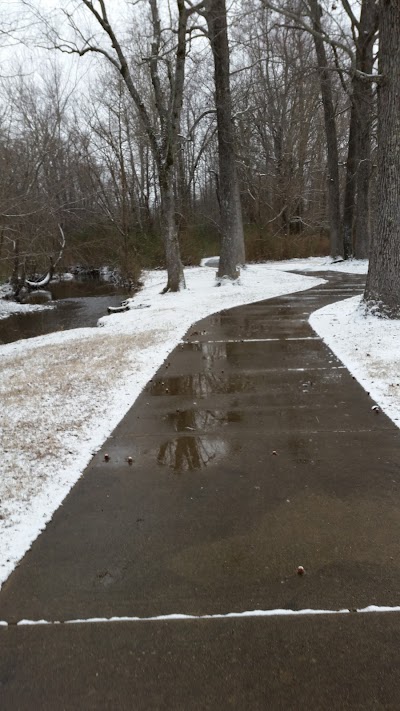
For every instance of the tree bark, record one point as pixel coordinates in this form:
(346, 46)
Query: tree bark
(350, 188)
(176, 279)
(363, 98)
(336, 241)
(382, 293)
(15, 277)
(170, 118)
(232, 251)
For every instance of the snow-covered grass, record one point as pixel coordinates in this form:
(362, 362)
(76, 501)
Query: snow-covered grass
(8, 308)
(325, 264)
(309, 264)
(62, 394)
(368, 346)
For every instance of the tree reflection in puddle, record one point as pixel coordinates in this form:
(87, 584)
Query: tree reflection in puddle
(202, 420)
(188, 453)
(201, 385)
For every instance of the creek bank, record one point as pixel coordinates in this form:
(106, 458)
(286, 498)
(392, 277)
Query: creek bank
(76, 302)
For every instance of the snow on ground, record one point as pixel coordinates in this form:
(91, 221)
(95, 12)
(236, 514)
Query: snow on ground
(318, 264)
(309, 264)
(368, 346)
(62, 394)
(8, 308)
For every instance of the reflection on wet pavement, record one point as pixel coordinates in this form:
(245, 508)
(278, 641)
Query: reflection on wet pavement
(201, 385)
(189, 453)
(248, 459)
(182, 420)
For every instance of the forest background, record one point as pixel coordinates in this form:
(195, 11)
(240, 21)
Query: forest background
(77, 164)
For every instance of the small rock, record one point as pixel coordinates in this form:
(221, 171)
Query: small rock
(300, 570)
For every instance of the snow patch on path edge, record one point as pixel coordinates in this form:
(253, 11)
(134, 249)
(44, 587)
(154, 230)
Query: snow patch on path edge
(369, 348)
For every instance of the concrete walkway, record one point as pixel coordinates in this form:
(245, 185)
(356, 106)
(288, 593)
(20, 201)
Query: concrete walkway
(254, 451)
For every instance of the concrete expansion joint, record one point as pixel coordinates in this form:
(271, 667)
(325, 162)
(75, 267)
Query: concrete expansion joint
(254, 340)
(229, 615)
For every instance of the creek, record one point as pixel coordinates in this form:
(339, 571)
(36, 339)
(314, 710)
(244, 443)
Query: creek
(79, 304)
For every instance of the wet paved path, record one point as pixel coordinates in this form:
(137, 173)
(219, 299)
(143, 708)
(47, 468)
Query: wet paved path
(254, 451)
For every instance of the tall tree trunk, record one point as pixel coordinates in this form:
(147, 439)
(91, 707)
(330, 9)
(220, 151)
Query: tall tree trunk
(382, 293)
(350, 188)
(336, 240)
(281, 208)
(232, 239)
(176, 279)
(15, 277)
(364, 100)
(363, 97)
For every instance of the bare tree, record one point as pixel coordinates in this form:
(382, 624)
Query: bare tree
(165, 60)
(38, 167)
(232, 239)
(364, 107)
(330, 130)
(114, 165)
(356, 200)
(382, 293)
(357, 49)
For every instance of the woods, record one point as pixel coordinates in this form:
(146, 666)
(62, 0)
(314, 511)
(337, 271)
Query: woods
(252, 130)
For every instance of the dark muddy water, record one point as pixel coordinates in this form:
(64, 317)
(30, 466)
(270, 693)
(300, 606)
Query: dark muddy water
(78, 304)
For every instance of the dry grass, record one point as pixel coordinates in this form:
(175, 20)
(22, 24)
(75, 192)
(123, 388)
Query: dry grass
(49, 397)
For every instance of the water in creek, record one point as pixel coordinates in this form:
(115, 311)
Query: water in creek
(79, 304)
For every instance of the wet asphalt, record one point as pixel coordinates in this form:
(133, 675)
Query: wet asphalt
(253, 451)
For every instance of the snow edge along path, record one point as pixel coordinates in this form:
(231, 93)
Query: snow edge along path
(125, 354)
(368, 346)
(278, 612)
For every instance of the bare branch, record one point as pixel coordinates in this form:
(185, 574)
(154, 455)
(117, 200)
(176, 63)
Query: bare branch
(351, 14)
(303, 25)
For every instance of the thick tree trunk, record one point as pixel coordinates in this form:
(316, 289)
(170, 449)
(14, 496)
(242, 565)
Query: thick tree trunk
(356, 198)
(363, 97)
(176, 279)
(232, 239)
(336, 241)
(382, 293)
(362, 229)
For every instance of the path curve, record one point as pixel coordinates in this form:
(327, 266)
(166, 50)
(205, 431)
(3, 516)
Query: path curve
(253, 452)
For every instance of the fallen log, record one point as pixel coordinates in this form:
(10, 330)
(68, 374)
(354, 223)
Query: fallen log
(39, 284)
(117, 309)
(125, 307)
